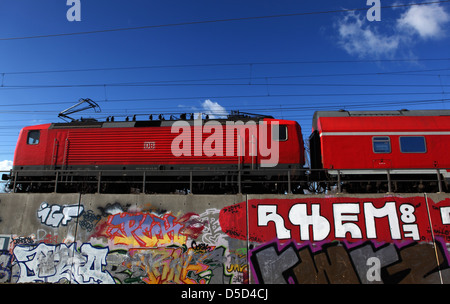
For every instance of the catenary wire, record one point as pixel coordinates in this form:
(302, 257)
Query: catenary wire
(218, 21)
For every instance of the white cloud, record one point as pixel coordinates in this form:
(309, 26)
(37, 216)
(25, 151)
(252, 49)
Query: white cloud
(213, 109)
(6, 165)
(427, 21)
(359, 37)
(360, 40)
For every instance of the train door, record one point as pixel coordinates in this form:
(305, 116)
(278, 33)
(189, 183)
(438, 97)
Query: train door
(59, 150)
(248, 147)
(381, 147)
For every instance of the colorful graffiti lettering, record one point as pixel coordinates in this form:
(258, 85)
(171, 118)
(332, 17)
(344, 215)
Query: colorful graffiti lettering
(143, 229)
(319, 219)
(170, 265)
(270, 240)
(58, 263)
(368, 262)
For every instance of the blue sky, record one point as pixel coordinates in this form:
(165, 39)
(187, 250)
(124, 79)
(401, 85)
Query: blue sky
(299, 60)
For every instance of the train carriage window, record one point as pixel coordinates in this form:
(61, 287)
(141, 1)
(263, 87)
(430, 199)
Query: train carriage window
(381, 144)
(281, 135)
(33, 137)
(412, 144)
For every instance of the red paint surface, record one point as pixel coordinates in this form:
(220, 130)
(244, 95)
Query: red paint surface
(356, 151)
(126, 146)
(233, 219)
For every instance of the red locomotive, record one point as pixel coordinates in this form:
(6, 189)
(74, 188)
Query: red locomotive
(360, 151)
(217, 152)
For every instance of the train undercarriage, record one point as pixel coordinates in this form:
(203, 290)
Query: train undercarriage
(248, 181)
(149, 182)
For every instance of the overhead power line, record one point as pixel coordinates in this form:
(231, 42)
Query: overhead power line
(140, 84)
(247, 64)
(217, 21)
(130, 100)
(291, 108)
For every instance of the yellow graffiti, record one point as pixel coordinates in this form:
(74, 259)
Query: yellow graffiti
(144, 230)
(169, 266)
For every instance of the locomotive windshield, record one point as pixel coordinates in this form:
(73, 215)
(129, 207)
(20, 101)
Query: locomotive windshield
(33, 137)
(282, 134)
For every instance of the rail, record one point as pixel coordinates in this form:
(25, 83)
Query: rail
(304, 180)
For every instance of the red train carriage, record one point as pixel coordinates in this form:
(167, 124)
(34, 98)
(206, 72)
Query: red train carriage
(364, 145)
(165, 151)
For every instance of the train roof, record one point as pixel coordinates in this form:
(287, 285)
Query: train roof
(145, 123)
(400, 113)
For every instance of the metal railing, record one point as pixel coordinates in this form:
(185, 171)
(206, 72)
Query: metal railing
(242, 181)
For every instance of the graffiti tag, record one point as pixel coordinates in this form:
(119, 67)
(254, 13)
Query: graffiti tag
(56, 215)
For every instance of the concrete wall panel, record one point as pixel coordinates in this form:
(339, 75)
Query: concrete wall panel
(224, 239)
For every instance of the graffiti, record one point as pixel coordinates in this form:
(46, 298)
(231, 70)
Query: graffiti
(167, 265)
(22, 240)
(238, 261)
(46, 237)
(56, 215)
(201, 247)
(174, 265)
(89, 220)
(212, 232)
(5, 266)
(4, 242)
(277, 240)
(382, 219)
(414, 263)
(144, 229)
(111, 209)
(62, 263)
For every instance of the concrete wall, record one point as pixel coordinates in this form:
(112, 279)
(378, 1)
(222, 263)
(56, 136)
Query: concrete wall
(224, 239)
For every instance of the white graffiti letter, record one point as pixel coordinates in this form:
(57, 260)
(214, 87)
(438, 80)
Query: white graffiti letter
(268, 213)
(341, 214)
(320, 226)
(58, 263)
(91, 271)
(389, 210)
(55, 215)
(445, 215)
(407, 213)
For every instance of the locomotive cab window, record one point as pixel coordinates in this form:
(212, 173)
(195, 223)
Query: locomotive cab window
(413, 144)
(33, 137)
(281, 135)
(381, 144)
